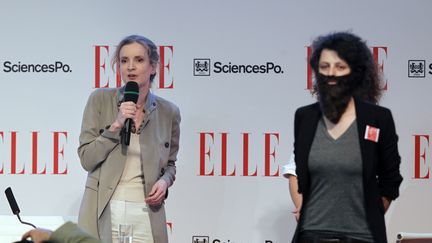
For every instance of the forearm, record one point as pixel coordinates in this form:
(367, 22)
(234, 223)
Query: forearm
(100, 131)
(169, 173)
(296, 197)
(93, 152)
(70, 232)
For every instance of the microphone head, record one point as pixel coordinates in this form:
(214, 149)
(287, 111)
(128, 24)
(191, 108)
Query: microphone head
(12, 203)
(131, 92)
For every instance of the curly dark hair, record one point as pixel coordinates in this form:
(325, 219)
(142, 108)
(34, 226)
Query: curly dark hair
(353, 50)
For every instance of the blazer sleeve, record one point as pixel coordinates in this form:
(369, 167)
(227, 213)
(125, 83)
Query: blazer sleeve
(389, 177)
(95, 141)
(70, 232)
(170, 169)
(298, 167)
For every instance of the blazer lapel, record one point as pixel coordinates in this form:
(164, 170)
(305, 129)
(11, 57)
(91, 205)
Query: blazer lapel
(109, 173)
(364, 117)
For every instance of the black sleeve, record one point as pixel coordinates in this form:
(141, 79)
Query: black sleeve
(389, 177)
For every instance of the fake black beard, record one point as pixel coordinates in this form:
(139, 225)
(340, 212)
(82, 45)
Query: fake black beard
(334, 99)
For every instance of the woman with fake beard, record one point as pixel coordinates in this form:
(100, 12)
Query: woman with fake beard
(345, 147)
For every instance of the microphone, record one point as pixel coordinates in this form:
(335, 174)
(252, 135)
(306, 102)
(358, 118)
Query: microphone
(131, 93)
(14, 206)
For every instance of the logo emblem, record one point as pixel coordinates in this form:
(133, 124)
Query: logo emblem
(200, 239)
(201, 67)
(416, 68)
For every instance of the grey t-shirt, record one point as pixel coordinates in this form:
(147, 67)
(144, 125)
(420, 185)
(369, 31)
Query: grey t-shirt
(336, 200)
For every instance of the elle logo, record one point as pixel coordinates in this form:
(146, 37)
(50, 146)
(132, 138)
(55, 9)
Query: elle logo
(103, 78)
(208, 148)
(17, 167)
(421, 150)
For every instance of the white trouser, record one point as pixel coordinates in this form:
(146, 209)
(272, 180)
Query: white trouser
(134, 213)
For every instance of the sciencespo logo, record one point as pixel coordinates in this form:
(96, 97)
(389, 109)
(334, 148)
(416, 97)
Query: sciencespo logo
(18, 67)
(203, 67)
(206, 239)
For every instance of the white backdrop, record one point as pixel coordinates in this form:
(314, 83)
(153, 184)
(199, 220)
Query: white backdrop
(246, 112)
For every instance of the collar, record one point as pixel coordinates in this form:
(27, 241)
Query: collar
(150, 103)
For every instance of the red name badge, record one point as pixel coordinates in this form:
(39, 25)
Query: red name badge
(372, 133)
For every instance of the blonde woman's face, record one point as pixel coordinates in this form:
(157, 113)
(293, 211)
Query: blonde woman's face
(134, 65)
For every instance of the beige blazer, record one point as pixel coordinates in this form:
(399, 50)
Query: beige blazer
(103, 156)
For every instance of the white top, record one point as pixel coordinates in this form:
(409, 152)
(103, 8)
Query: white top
(131, 185)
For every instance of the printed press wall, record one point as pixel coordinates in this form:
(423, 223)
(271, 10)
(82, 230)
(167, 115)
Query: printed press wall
(237, 70)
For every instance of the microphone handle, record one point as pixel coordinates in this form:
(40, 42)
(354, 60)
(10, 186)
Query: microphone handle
(14, 205)
(22, 222)
(127, 131)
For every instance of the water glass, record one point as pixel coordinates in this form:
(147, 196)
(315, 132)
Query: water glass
(125, 233)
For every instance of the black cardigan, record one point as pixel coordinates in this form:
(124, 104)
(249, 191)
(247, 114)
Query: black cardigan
(381, 160)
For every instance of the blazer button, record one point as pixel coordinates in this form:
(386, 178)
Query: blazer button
(166, 145)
